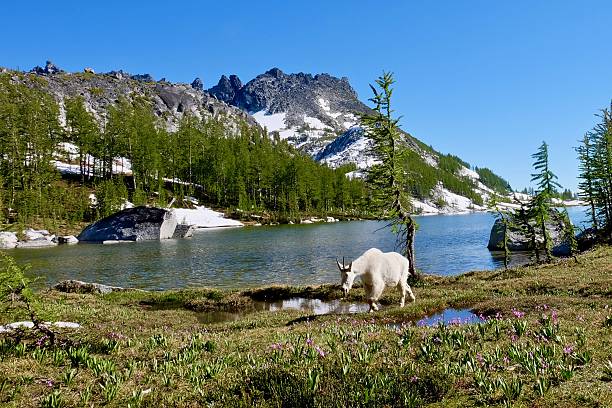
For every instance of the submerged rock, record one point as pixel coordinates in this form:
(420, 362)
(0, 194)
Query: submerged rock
(76, 286)
(36, 243)
(519, 241)
(132, 224)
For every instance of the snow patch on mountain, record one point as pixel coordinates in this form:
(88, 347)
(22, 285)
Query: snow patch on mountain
(453, 203)
(274, 122)
(327, 108)
(465, 172)
(351, 147)
(315, 123)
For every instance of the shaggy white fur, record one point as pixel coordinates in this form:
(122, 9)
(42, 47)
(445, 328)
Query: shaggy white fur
(377, 270)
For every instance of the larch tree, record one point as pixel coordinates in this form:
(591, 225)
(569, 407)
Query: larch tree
(595, 155)
(388, 179)
(546, 184)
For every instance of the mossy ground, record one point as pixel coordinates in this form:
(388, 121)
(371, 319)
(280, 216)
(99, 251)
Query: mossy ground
(151, 348)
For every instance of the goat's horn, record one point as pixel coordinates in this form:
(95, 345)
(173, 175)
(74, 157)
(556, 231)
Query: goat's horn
(343, 262)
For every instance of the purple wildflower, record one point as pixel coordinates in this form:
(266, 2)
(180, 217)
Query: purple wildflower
(41, 341)
(116, 336)
(517, 313)
(276, 346)
(554, 316)
(320, 351)
(309, 341)
(414, 379)
(568, 349)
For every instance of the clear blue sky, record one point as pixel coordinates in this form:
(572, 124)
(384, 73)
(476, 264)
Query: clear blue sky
(485, 80)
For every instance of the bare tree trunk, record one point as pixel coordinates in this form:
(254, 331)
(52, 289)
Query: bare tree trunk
(410, 233)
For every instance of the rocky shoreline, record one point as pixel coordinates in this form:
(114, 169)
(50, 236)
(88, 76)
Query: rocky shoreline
(31, 238)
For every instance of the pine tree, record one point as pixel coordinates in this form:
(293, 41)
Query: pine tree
(595, 155)
(587, 175)
(387, 180)
(82, 130)
(546, 184)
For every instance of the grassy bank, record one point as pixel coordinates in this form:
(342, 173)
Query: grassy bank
(546, 342)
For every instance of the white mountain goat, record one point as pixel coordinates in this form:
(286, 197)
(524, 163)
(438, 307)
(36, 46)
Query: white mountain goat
(377, 270)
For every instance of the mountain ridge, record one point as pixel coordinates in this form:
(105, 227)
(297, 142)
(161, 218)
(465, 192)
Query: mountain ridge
(318, 114)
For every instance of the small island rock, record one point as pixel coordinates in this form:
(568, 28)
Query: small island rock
(519, 241)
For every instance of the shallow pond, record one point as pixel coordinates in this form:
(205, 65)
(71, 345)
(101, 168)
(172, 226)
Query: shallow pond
(321, 307)
(259, 256)
(312, 306)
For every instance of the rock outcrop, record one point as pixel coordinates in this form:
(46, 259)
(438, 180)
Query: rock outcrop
(227, 89)
(519, 241)
(197, 84)
(49, 69)
(8, 240)
(132, 224)
(67, 239)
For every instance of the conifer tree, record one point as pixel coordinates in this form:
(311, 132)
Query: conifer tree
(541, 203)
(587, 175)
(82, 130)
(387, 180)
(595, 155)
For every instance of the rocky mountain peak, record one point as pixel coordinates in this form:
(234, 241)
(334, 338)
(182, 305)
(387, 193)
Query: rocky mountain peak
(307, 110)
(235, 82)
(226, 89)
(197, 84)
(275, 72)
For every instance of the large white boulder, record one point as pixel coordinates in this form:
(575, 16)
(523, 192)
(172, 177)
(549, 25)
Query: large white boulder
(8, 240)
(32, 234)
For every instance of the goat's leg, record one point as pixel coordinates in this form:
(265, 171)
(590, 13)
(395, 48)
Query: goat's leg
(402, 289)
(410, 294)
(405, 288)
(375, 293)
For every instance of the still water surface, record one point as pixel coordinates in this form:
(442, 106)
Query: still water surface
(257, 256)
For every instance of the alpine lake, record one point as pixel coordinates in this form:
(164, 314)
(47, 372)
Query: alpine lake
(237, 258)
